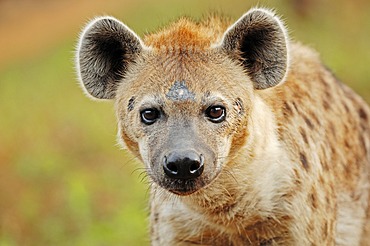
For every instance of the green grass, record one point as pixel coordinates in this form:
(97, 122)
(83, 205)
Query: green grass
(63, 180)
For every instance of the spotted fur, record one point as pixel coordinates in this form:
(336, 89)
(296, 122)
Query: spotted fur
(290, 163)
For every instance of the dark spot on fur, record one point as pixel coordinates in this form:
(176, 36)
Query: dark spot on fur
(304, 135)
(326, 104)
(313, 198)
(155, 218)
(324, 159)
(303, 160)
(328, 95)
(362, 114)
(308, 122)
(347, 144)
(325, 165)
(314, 117)
(324, 83)
(325, 229)
(347, 169)
(333, 151)
(332, 129)
(239, 106)
(287, 109)
(297, 178)
(321, 179)
(131, 104)
(327, 201)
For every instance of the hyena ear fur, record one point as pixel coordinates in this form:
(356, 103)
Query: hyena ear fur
(106, 48)
(259, 41)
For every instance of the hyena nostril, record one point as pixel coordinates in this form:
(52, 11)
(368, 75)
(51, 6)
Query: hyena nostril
(197, 166)
(183, 165)
(194, 167)
(172, 167)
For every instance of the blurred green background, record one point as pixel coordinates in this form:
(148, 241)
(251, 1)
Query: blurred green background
(63, 180)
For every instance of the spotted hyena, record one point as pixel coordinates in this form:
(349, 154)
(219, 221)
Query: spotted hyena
(246, 137)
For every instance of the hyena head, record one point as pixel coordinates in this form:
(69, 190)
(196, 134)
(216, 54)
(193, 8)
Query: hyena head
(184, 96)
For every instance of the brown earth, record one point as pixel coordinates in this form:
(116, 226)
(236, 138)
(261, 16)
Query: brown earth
(28, 27)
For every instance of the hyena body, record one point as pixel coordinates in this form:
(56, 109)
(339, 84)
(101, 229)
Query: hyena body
(248, 139)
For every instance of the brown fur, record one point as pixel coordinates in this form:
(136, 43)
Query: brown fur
(290, 164)
(187, 34)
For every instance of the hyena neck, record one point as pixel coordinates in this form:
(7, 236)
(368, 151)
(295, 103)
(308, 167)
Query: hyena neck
(239, 192)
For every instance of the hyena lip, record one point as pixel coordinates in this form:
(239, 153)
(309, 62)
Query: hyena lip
(182, 193)
(184, 187)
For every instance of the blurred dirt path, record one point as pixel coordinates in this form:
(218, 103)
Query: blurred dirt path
(28, 27)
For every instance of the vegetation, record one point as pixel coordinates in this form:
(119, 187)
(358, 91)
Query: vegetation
(63, 180)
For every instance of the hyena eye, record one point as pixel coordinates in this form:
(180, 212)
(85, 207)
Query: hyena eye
(216, 113)
(149, 115)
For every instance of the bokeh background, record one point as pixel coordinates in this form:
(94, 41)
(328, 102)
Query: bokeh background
(63, 180)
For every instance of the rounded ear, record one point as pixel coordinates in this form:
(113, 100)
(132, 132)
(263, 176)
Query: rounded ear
(259, 41)
(106, 48)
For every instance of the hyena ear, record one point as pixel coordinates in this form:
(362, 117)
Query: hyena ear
(259, 41)
(106, 48)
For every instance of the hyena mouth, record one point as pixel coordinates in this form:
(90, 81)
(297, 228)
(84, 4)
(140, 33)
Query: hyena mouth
(184, 187)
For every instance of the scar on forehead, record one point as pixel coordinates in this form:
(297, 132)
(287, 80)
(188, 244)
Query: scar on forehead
(180, 92)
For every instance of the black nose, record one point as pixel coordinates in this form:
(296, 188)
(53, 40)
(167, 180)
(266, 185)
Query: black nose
(183, 165)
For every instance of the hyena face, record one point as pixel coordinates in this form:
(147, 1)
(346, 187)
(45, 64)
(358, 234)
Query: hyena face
(183, 102)
(184, 119)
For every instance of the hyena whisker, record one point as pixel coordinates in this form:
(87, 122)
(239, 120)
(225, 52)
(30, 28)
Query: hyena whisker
(231, 174)
(144, 177)
(139, 169)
